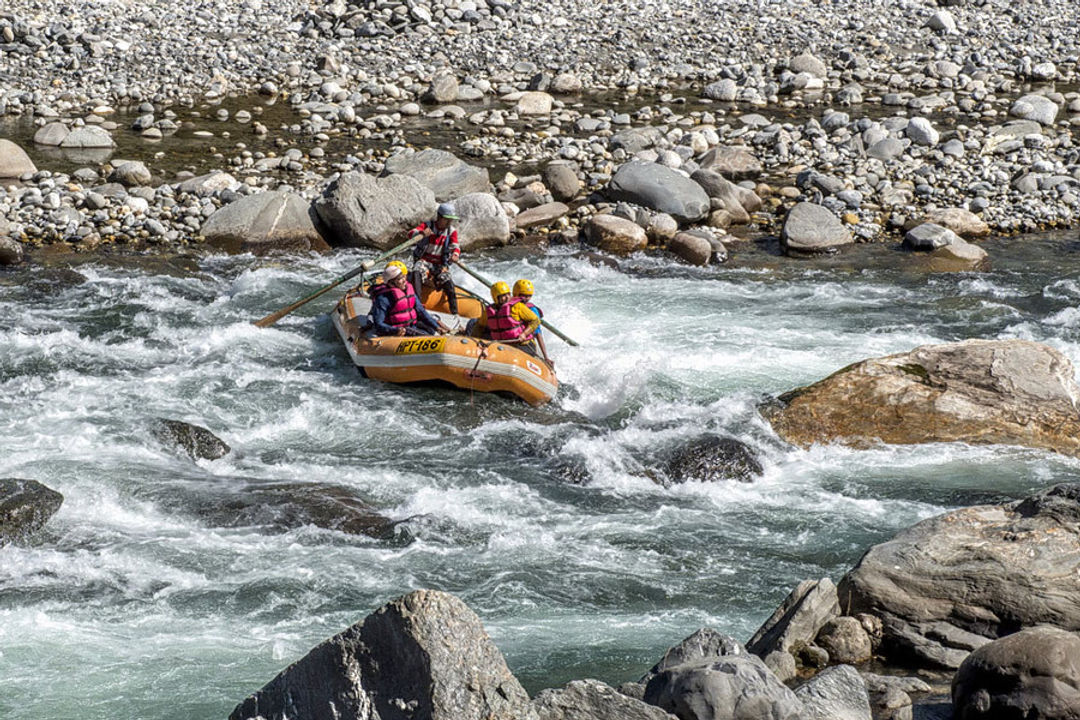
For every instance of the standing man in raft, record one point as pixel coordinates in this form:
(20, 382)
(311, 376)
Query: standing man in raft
(434, 254)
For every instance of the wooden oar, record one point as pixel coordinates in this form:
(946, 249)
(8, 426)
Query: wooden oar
(364, 267)
(487, 282)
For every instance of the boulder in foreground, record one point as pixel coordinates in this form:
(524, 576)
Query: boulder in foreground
(265, 223)
(1012, 392)
(25, 507)
(424, 656)
(363, 211)
(593, 700)
(951, 584)
(811, 229)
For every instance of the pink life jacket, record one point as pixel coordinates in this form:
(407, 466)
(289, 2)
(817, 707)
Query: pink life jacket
(501, 322)
(402, 312)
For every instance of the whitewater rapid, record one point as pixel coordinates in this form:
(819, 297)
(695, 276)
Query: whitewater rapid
(139, 600)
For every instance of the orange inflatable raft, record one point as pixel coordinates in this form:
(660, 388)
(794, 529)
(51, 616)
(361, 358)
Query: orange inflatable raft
(465, 362)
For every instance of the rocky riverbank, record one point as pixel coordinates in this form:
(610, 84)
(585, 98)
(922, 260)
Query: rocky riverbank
(867, 120)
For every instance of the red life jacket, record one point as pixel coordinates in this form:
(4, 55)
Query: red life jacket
(501, 322)
(402, 312)
(439, 248)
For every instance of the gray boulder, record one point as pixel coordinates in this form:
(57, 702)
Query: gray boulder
(541, 215)
(361, 210)
(734, 163)
(443, 89)
(811, 229)
(737, 687)
(483, 221)
(659, 188)
(836, 693)
(922, 132)
(25, 507)
(703, 645)
(929, 236)
(11, 250)
(1038, 108)
(14, 161)
(690, 248)
(535, 103)
(208, 184)
(712, 458)
(52, 134)
(88, 137)
(846, 641)
(964, 223)
(424, 656)
(265, 223)
(447, 176)
(561, 181)
(634, 140)
(730, 195)
(722, 91)
(593, 700)
(131, 173)
(958, 255)
(615, 234)
(1034, 673)
(809, 64)
(196, 442)
(953, 583)
(797, 621)
(887, 149)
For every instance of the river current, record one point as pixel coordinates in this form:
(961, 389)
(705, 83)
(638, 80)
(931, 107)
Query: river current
(143, 600)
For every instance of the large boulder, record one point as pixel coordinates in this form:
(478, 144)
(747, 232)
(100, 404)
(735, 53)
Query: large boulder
(561, 180)
(25, 507)
(929, 236)
(1014, 392)
(535, 103)
(14, 161)
(1034, 673)
(196, 442)
(703, 645)
(52, 134)
(88, 137)
(735, 163)
(1038, 108)
(265, 223)
(634, 140)
(11, 250)
(424, 656)
(364, 211)
(131, 173)
(659, 188)
(541, 215)
(964, 223)
(615, 234)
(950, 584)
(811, 229)
(735, 687)
(717, 187)
(846, 641)
(446, 175)
(483, 221)
(690, 248)
(795, 624)
(837, 693)
(593, 700)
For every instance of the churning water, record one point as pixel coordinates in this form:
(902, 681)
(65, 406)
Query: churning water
(158, 592)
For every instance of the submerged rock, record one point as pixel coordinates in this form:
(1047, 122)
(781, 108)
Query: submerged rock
(25, 507)
(11, 250)
(361, 210)
(593, 700)
(713, 458)
(265, 223)
(1034, 673)
(1013, 392)
(950, 584)
(198, 443)
(424, 656)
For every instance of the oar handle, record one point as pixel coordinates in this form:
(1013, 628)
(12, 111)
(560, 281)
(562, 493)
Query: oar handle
(364, 267)
(543, 322)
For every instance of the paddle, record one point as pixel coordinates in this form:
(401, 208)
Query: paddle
(365, 266)
(487, 282)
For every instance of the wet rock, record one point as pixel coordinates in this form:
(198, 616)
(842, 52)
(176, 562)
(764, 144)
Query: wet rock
(703, 645)
(1034, 673)
(837, 693)
(811, 229)
(690, 248)
(661, 228)
(424, 655)
(198, 443)
(734, 163)
(959, 255)
(444, 174)
(52, 134)
(713, 458)
(964, 223)
(561, 180)
(659, 188)
(535, 103)
(264, 224)
(978, 391)
(737, 687)
(717, 187)
(25, 507)
(361, 210)
(950, 584)
(541, 215)
(14, 161)
(11, 250)
(614, 234)
(483, 221)
(593, 700)
(88, 137)
(131, 174)
(929, 236)
(797, 620)
(846, 641)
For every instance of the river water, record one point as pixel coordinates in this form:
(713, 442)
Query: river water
(144, 600)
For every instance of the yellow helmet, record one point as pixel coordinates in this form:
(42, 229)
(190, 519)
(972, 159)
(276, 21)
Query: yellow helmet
(499, 288)
(523, 287)
(400, 265)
